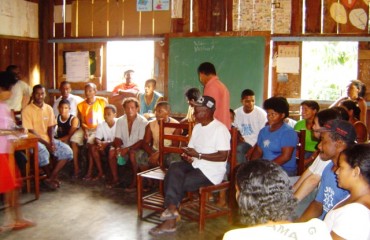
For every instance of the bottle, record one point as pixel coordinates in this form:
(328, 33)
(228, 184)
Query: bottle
(120, 159)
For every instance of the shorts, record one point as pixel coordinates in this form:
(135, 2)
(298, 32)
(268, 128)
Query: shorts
(78, 137)
(62, 152)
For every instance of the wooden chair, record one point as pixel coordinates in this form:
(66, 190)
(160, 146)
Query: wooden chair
(202, 209)
(155, 201)
(300, 156)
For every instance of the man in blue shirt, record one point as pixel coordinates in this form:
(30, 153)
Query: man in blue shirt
(336, 136)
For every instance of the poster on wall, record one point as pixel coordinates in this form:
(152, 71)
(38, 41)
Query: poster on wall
(161, 5)
(78, 66)
(144, 5)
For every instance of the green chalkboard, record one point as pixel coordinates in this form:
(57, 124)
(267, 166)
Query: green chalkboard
(239, 63)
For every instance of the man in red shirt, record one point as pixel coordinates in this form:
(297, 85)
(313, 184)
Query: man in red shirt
(128, 86)
(215, 88)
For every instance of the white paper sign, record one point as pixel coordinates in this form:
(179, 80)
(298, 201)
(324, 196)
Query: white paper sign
(287, 65)
(78, 67)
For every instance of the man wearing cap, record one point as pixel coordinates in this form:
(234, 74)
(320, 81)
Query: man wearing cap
(336, 136)
(204, 162)
(217, 90)
(128, 86)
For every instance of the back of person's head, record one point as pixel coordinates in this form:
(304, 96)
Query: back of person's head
(193, 94)
(207, 68)
(311, 104)
(264, 193)
(247, 93)
(64, 101)
(163, 104)
(7, 80)
(152, 81)
(328, 114)
(129, 100)
(11, 68)
(352, 105)
(360, 86)
(342, 111)
(358, 155)
(278, 104)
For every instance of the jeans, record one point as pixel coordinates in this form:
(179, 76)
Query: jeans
(180, 178)
(241, 150)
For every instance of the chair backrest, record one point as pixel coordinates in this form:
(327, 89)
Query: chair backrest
(181, 139)
(300, 151)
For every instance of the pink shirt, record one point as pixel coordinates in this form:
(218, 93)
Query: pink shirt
(216, 89)
(6, 122)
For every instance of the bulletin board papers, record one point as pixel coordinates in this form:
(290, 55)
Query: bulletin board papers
(287, 65)
(161, 5)
(144, 5)
(78, 66)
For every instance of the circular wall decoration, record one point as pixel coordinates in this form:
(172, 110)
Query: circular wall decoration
(338, 13)
(358, 18)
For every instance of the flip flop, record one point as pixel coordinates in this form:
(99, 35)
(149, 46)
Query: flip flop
(50, 184)
(113, 185)
(156, 231)
(168, 215)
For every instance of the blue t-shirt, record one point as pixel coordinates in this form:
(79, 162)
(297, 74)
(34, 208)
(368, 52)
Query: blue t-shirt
(144, 108)
(329, 193)
(271, 144)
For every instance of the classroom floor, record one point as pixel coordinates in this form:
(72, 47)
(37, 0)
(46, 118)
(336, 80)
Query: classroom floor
(80, 210)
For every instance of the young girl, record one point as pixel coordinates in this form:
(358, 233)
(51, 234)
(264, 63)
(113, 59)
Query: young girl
(8, 179)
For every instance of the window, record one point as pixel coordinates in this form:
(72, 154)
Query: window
(327, 68)
(125, 55)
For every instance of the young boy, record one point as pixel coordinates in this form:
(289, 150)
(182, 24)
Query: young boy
(90, 113)
(151, 137)
(103, 138)
(149, 99)
(67, 123)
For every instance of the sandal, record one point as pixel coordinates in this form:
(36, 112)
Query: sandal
(99, 177)
(50, 184)
(156, 231)
(113, 185)
(87, 178)
(168, 215)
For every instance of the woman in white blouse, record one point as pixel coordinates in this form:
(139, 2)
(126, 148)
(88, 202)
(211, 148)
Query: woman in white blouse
(350, 218)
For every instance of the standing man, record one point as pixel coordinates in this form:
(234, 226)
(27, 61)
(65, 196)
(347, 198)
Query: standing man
(249, 119)
(336, 136)
(214, 88)
(204, 163)
(21, 91)
(65, 91)
(128, 86)
(39, 119)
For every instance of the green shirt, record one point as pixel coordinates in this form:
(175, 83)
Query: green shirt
(310, 142)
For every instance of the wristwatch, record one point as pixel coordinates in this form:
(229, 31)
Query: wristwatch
(199, 156)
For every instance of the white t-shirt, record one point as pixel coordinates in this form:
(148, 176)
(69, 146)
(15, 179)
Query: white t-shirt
(137, 131)
(74, 100)
(314, 229)
(207, 139)
(351, 221)
(318, 166)
(19, 90)
(250, 124)
(103, 131)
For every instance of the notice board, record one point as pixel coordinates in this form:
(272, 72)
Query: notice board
(239, 63)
